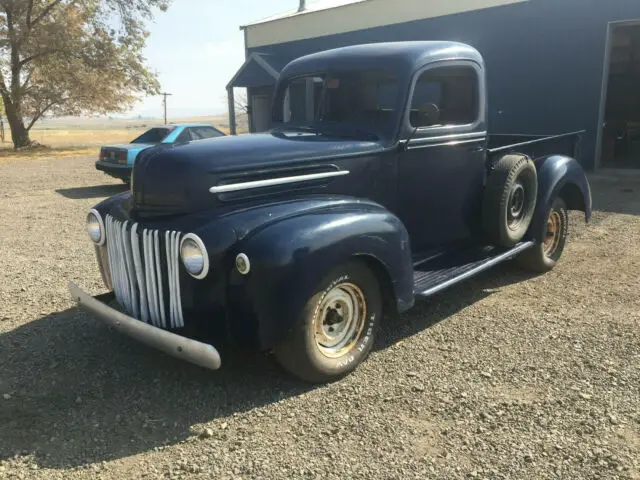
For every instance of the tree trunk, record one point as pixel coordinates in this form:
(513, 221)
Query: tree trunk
(19, 133)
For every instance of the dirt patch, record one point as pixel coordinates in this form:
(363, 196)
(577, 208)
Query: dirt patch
(506, 376)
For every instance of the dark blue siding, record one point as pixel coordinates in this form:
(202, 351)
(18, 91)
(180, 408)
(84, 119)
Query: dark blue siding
(254, 75)
(544, 59)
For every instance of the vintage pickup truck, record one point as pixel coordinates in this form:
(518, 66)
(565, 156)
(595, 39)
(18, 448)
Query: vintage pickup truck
(377, 184)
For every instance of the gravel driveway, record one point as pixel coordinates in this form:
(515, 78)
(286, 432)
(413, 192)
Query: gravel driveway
(505, 376)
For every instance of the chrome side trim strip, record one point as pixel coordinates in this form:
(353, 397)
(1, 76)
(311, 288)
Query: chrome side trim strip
(451, 142)
(447, 138)
(234, 187)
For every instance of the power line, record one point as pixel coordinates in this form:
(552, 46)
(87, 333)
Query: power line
(164, 102)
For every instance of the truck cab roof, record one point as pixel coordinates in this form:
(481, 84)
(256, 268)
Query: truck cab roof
(402, 57)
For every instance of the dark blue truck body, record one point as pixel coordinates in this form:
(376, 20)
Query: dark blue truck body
(296, 202)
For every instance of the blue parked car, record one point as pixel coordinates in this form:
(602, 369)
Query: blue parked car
(117, 160)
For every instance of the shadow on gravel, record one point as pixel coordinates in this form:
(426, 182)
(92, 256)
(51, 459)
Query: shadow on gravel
(82, 394)
(428, 312)
(95, 191)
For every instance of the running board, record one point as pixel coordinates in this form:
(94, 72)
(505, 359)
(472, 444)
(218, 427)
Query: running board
(429, 281)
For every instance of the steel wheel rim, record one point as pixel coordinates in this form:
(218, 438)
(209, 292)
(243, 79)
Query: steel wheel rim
(516, 206)
(552, 238)
(340, 320)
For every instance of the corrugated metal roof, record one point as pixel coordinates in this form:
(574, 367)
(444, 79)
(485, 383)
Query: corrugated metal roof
(312, 7)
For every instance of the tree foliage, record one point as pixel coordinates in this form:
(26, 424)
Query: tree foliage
(72, 57)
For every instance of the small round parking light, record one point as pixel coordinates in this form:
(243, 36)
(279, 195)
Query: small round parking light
(95, 227)
(243, 264)
(194, 256)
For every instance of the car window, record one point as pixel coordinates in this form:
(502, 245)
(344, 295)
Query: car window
(200, 133)
(445, 96)
(185, 136)
(366, 100)
(153, 135)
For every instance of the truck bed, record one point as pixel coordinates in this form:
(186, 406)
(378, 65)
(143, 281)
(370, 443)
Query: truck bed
(535, 145)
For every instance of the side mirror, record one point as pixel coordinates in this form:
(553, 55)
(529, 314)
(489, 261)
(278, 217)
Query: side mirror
(429, 114)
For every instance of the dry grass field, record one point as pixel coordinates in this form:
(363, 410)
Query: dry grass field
(72, 137)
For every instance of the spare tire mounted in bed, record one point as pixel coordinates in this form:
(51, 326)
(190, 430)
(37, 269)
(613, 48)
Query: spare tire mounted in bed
(509, 199)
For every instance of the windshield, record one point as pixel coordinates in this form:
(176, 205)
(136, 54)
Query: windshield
(154, 135)
(357, 103)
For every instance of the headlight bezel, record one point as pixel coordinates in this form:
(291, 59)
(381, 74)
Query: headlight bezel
(100, 222)
(203, 251)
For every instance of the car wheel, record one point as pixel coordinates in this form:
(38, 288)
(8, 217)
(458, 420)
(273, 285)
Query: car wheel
(510, 200)
(543, 256)
(337, 327)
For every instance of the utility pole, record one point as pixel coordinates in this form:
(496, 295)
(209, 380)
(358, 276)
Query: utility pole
(164, 102)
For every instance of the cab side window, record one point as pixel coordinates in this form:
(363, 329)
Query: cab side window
(445, 96)
(200, 133)
(185, 136)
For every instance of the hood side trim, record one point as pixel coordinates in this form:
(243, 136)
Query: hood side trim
(234, 187)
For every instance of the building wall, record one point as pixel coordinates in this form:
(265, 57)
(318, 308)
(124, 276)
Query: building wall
(544, 59)
(359, 15)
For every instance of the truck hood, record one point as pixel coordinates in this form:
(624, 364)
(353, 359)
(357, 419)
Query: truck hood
(176, 179)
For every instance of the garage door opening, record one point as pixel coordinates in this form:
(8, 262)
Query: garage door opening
(621, 131)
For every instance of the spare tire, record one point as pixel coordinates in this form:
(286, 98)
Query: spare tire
(509, 199)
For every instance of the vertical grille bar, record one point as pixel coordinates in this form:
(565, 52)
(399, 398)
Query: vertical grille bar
(131, 272)
(156, 252)
(139, 270)
(167, 247)
(148, 267)
(142, 286)
(175, 249)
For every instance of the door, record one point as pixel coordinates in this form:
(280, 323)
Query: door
(260, 108)
(441, 172)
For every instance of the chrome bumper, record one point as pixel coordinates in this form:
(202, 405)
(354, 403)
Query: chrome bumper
(192, 351)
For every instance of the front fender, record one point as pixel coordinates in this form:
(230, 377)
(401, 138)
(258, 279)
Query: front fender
(559, 176)
(289, 258)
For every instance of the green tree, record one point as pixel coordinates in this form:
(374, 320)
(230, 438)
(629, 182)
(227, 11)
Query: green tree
(72, 57)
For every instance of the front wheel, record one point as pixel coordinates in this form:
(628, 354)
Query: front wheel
(543, 256)
(337, 327)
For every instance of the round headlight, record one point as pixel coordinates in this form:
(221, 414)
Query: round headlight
(95, 227)
(194, 256)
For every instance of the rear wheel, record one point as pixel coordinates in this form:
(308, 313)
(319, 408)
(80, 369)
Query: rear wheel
(337, 327)
(543, 256)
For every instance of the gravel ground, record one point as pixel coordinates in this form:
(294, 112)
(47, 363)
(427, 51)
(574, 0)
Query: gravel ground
(505, 376)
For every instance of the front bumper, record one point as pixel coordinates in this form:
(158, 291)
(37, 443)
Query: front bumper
(186, 349)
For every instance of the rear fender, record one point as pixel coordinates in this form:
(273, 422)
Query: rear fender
(291, 257)
(559, 176)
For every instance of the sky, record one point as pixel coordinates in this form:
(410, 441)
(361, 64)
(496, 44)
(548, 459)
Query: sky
(196, 47)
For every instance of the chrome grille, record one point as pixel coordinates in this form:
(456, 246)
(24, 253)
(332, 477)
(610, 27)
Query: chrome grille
(141, 264)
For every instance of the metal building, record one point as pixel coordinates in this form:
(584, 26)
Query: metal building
(553, 65)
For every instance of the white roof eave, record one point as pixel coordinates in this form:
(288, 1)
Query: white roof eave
(312, 8)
